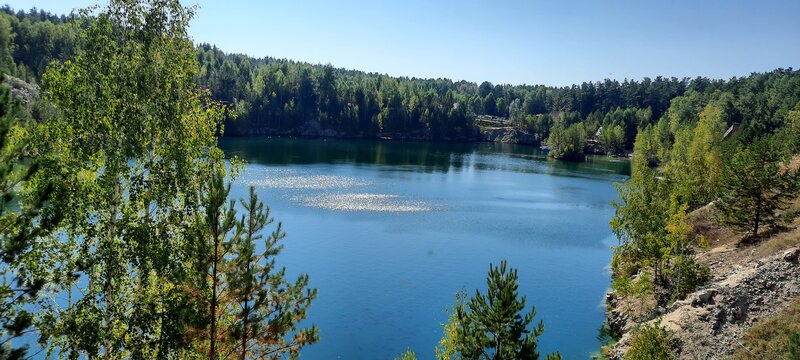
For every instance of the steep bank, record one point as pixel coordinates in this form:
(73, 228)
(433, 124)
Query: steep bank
(312, 129)
(508, 135)
(749, 284)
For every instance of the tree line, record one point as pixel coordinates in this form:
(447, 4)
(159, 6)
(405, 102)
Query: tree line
(280, 96)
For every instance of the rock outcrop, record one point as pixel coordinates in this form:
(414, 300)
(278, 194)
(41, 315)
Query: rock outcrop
(26, 92)
(710, 321)
(509, 135)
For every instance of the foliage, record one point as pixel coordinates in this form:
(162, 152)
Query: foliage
(790, 134)
(651, 341)
(793, 349)
(267, 308)
(214, 244)
(447, 348)
(613, 140)
(607, 337)
(567, 143)
(24, 218)
(757, 186)
(655, 236)
(491, 327)
(272, 95)
(33, 40)
(126, 157)
(696, 159)
(647, 149)
(407, 355)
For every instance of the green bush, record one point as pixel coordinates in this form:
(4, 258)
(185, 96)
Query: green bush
(685, 275)
(652, 341)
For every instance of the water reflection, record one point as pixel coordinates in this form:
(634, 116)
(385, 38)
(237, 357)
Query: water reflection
(405, 225)
(289, 179)
(416, 156)
(364, 202)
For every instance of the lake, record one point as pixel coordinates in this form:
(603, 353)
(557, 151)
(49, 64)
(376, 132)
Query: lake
(390, 231)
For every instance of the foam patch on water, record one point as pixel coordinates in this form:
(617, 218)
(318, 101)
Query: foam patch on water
(287, 179)
(308, 182)
(364, 202)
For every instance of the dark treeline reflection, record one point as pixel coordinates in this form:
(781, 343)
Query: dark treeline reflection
(415, 156)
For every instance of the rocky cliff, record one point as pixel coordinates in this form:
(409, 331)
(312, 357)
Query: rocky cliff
(749, 283)
(509, 135)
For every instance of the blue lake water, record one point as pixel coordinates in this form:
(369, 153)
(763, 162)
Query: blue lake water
(390, 231)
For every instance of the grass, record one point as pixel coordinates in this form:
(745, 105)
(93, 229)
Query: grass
(772, 338)
(780, 242)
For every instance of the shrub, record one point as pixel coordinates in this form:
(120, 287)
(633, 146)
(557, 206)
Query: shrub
(652, 341)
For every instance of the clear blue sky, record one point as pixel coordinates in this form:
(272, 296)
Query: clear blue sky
(505, 41)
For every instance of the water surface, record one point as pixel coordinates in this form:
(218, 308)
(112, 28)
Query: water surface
(390, 231)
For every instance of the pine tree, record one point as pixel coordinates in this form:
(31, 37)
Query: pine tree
(217, 227)
(267, 308)
(757, 185)
(22, 220)
(491, 327)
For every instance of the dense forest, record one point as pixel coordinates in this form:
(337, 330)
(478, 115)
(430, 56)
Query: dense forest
(279, 96)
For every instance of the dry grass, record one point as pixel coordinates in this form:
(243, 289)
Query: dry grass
(638, 308)
(780, 241)
(704, 223)
(769, 339)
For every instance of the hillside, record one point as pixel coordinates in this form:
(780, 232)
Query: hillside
(271, 96)
(751, 284)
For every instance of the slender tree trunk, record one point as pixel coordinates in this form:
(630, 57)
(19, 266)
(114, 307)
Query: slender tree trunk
(245, 317)
(497, 348)
(249, 288)
(213, 335)
(107, 284)
(758, 217)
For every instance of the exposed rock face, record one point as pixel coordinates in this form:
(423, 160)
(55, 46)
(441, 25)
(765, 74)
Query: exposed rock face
(26, 92)
(710, 321)
(509, 135)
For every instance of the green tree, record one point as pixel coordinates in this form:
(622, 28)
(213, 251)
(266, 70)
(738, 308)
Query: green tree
(757, 186)
(567, 143)
(696, 159)
(491, 326)
(646, 147)
(613, 139)
(216, 241)
(654, 234)
(6, 45)
(651, 341)
(24, 218)
(126, 157)
(790, 134)
(267, 307)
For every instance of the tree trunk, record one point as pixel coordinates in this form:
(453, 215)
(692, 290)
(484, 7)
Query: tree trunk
(213, 335)
(244, 331)
(758, 217)
(107, 284)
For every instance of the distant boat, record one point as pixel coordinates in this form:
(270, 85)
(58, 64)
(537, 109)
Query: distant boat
(545, 148)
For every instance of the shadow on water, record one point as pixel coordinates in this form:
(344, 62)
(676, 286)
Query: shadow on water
(417, 156)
